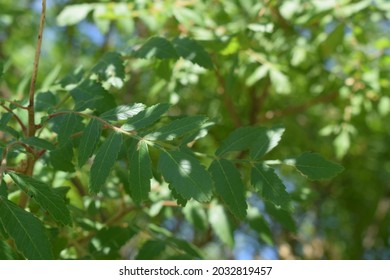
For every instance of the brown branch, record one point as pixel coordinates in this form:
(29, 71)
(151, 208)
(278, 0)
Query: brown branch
(3, 165)
(31, 158)
(258, 102)
(227, 99)
(284, 24)
(31, 110)
(79, 186)
(298, 108)
(120, 214)
(6, 94)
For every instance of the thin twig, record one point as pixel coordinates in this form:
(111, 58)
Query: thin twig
(258, 102)
(31, 110)
(105, 123)
(298, 108)
(79, 186)
(15, 117)
(227, 99)
(16, 104)
(3, 164)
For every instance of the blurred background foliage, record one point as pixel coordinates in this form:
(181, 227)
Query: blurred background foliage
(320, 68)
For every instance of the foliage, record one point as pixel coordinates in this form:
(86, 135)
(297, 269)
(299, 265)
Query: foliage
(183, 125)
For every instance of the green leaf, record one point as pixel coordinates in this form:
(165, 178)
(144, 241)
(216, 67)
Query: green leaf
(187, 16)
(5, 251)
(108, 241)
(140, 168)
(282, 216)
(257, 75)
(123, 112)
(185, 246)
(45, 101)
(315, 167)
(180, 200)
(229, 187)
(146, 117)
(196, 215)
(73, 14)
(3, 189)
(44, 195)
(342, 143)
(157, 47)
(280, 81)
(267, 140)
(26, 230)
(9, 130)
(221, 225)
(151, 250)
(72, 78)
(61, 158)
(69, 124)
(39, 143)
(332, 41)
(260, 225)
(191, 50)
(91, 95)
(270, 186)
(177, 128)
(104, 161)
(164, 69)
(199, 133)
(240, 139)
(109, 66)
(89, 140)
(5, 118)
(186, 175)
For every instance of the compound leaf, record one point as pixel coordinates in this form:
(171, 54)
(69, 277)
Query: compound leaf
(26, 230)
(45, 196)
(186, 175)
(229, 187)
(104, 161)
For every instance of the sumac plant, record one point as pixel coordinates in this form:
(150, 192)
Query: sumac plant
(83, 177)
